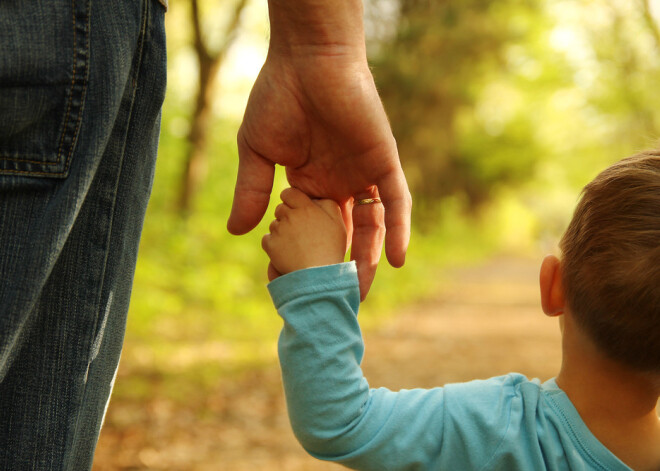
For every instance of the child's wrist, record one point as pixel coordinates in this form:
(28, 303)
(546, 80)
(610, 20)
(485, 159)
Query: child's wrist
(311, 270)
(321, 261)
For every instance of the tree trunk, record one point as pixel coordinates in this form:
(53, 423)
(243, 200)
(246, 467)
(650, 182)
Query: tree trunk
(195, 165)
(650, 22)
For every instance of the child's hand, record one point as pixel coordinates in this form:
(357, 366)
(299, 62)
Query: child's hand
(305, 233)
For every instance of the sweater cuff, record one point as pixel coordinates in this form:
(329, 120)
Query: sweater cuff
(313, 280)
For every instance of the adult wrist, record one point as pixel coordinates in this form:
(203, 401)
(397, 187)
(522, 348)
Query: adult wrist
(317, 28)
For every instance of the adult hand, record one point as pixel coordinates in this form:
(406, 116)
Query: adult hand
(314, 109)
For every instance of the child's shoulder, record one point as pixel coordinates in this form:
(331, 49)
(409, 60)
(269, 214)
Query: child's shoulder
(493, 400)
(510, 384)
(512, 415)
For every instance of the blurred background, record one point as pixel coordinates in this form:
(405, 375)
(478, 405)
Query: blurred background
(502, 110)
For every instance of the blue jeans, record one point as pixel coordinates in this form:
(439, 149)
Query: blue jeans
(81, 89)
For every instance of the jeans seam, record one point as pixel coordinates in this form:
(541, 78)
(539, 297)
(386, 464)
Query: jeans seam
(73, 81)
(133, 83)
(80, 54)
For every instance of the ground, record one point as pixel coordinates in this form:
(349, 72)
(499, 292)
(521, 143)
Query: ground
(487, 322)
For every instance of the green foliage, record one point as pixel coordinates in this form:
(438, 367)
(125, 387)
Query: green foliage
(484, 95)
(441, 81)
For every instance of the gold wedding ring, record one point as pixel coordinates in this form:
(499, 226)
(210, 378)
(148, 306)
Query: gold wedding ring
(368, 201)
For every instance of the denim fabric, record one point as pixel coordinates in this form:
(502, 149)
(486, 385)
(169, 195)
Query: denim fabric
(81, 88)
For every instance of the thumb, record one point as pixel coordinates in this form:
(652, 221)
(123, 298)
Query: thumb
(254, 184)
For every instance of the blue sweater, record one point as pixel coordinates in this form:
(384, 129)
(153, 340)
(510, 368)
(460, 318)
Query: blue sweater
(503, 423)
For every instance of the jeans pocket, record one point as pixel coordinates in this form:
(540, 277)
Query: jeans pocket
(44, 68)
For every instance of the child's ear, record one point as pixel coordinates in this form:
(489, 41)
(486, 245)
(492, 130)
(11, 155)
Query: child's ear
(552, 291)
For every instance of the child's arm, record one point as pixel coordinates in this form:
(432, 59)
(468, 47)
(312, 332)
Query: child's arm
(333, 412)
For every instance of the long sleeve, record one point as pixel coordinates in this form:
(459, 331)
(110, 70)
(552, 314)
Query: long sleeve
(333, 412)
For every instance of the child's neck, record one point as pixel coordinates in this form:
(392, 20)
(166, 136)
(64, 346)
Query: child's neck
(618, 406)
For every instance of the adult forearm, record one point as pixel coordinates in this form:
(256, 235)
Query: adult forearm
(326, 27)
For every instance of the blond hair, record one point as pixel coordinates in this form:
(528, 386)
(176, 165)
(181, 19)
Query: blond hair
(611, 261)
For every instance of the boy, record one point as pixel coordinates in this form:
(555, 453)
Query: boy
(598, 413)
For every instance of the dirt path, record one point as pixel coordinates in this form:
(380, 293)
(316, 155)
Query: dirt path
(487, 323)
